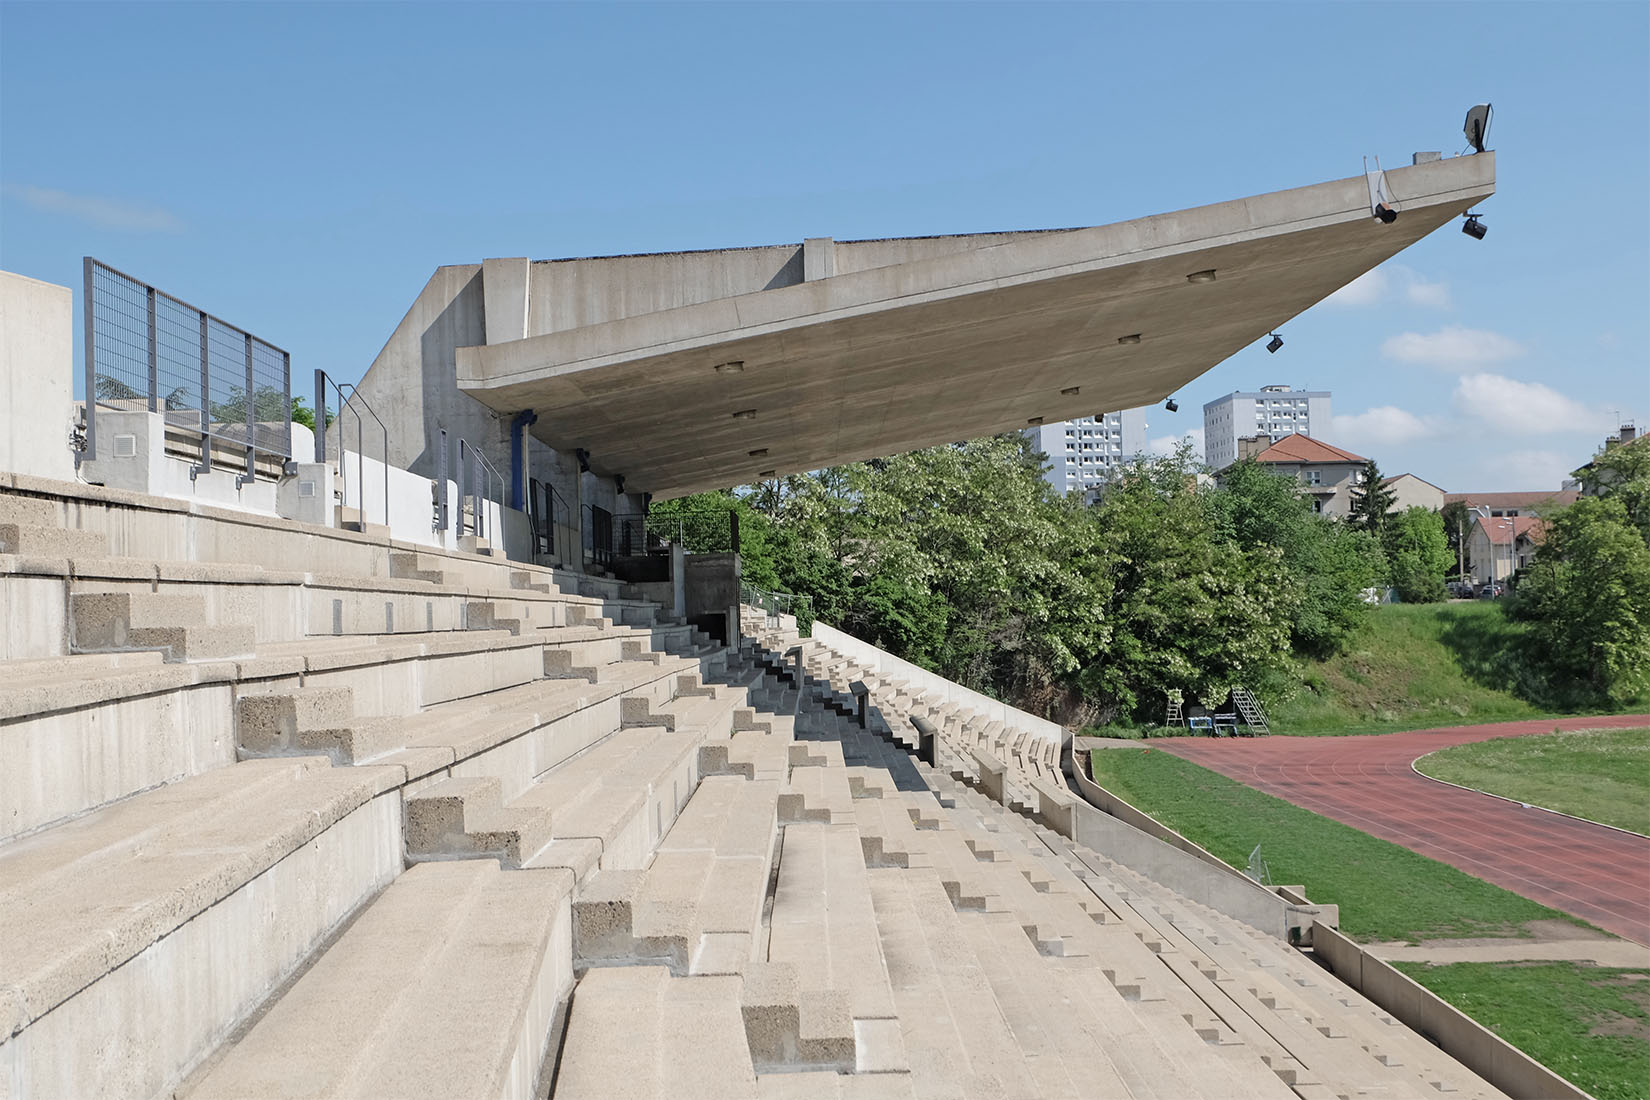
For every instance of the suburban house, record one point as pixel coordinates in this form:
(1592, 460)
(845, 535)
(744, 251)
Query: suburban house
(1409, 491)
(1499, 546)
(1626, 436)
(1326, 473)
(1512, 505)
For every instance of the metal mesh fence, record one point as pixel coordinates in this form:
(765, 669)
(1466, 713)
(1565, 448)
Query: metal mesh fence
(149, 351)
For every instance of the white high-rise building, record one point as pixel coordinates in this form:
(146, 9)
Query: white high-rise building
(1274, 411)
(1084, 452)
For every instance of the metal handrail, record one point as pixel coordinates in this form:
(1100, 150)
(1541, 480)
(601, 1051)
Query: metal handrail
(478, 523)
(355, 394)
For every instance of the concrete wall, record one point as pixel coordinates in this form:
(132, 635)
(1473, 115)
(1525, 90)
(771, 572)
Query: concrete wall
(892, 667)
(1458, 1035)
(36, 377)
(1144, 846)
(149, 469)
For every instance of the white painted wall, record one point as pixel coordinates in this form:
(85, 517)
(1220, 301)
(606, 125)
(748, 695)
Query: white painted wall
(36, 377)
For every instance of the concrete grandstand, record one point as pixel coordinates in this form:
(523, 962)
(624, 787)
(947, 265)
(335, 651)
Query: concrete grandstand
(289, 809)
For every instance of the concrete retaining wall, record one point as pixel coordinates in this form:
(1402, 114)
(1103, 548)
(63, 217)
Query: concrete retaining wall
(891, 667)
(1457, 1034)
(1205, 880)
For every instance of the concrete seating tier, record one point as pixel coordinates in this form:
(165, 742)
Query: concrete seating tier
(249, 757)
(561, 844)
(445, 986)
(1020, 964)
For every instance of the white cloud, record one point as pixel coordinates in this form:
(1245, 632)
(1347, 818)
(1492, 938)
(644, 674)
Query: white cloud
(1420, 292)
(1452, 348)
(1166, 444)
(1524, 407)
(1365, 290)
(1536, 469)
(108, 213)
(1377, 284)
(1386, 424)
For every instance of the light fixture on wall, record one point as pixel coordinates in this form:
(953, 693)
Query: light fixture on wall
(760, 452)
(1034, 420)
(767, 473)
(1207, 276)
(745, 414)
(1131, 338)
(1071, 391)
(734, 366)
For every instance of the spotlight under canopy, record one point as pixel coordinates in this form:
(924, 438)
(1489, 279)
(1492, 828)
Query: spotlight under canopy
(1274, 343)
(1172, 405)
(1474, 228)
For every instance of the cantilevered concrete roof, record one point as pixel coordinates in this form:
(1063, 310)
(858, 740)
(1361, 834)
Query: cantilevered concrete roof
(944, 339)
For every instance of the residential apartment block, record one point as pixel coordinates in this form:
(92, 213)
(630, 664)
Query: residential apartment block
(1083, 453)
(1272, 411)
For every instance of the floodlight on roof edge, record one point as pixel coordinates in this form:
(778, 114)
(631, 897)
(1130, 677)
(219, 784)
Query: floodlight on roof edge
(1477, 126)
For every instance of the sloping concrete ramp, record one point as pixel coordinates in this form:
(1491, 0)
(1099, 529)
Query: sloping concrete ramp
(691, 371)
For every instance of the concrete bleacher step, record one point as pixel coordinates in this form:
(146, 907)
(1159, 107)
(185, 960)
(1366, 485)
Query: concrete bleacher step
(175, 625)
(46, 541)
(444, 986)
(637, 1032)
(698, 907)
(113, 913)
(465, 817)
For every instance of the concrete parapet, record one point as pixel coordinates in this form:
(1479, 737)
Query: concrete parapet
(1460, 1036)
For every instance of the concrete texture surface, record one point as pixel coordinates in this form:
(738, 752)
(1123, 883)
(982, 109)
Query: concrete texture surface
(931, 341)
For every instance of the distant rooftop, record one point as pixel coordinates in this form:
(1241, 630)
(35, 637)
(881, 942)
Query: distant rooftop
(1303, 448)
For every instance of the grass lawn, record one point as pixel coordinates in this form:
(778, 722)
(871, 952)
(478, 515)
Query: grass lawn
(1602, 775)
(1413, 666)
(1590, 1024)
(1385, 892)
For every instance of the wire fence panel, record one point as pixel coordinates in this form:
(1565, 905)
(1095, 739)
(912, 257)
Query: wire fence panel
(148, 351)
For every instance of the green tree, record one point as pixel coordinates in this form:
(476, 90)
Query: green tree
(1371, 499)
(1188, 609)
(1587, 599)
(1329, 563)
(1458, 521)
(1418, 555)
(1623, 472)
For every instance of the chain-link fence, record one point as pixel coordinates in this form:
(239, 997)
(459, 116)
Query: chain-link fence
(147, 351)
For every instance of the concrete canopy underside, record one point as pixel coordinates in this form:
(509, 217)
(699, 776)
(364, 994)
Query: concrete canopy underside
(881, 361)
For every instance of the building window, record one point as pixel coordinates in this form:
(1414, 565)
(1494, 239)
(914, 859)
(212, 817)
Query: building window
(1314, 477)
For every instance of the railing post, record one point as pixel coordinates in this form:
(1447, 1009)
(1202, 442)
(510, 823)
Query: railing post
(458, 528)
(88, 313)
(251, 421)
(154, 372)
(320, 415)
(206, 401)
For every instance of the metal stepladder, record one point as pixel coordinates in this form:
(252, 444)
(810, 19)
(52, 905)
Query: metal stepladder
(1249, 707)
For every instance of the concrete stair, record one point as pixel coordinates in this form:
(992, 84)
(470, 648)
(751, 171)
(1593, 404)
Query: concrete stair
(465, 817)
(175, 625)
(445, 986)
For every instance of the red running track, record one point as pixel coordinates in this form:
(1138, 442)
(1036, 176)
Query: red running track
(1599, 874)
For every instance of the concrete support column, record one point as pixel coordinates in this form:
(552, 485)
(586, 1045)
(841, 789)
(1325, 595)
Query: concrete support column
(678, 579)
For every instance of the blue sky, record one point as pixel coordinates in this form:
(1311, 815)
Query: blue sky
(301, 169)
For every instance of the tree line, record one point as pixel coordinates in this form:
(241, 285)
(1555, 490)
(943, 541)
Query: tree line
(963, 559)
